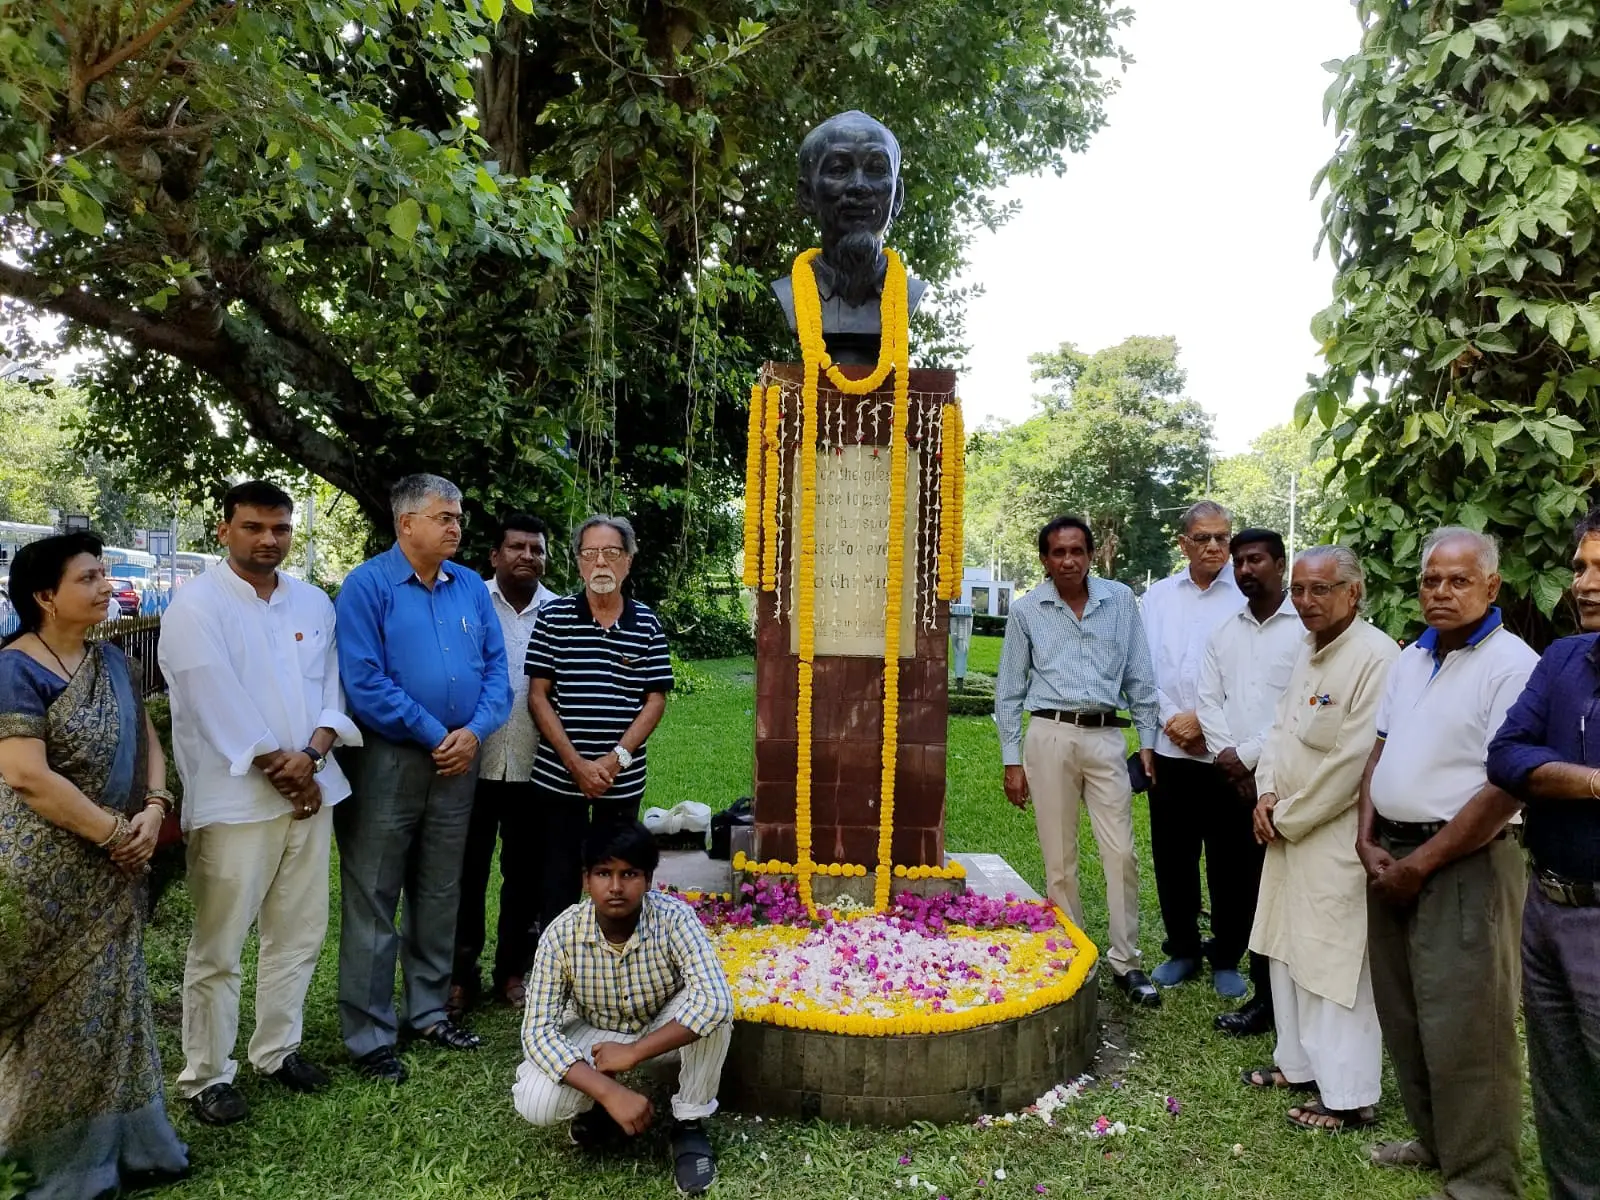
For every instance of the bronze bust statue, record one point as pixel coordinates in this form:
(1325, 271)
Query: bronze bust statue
(850, 183)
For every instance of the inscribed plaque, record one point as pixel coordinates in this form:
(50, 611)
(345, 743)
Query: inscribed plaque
(852, 559)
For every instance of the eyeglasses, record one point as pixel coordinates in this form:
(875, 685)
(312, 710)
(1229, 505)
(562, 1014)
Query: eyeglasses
(1320, 590)
(447, 519)
(610, 553)
(1211, 539)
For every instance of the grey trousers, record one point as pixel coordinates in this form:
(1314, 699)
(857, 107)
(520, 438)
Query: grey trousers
(402, 832)
(1561, 998)
(1445, 978)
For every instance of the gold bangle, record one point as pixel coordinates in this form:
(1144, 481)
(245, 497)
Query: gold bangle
(1593, 775)
(119, 834)
(159, 796)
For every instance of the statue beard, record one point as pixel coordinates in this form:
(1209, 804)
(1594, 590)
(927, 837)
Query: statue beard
(856, 259)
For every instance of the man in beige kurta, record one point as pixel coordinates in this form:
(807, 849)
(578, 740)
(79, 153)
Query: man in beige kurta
(1311, 915)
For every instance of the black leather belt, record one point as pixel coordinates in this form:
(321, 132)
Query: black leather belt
(1569, 892)
(1414, 833)
(1085, 720)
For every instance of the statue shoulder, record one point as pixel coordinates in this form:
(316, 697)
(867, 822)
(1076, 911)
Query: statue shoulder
(915, 290)
(783, 289)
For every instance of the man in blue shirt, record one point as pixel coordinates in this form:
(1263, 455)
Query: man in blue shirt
(1545, 755)
(1075, 653)
(424, 668)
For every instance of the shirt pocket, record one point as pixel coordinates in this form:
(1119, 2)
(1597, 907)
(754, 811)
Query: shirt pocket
(473, 636)
(1103, 656)
(311, 651)
(1319, 724)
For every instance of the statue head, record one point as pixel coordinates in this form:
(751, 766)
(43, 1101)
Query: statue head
(850, 182)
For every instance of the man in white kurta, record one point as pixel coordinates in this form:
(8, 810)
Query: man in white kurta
(249, 657)
(1311, 914)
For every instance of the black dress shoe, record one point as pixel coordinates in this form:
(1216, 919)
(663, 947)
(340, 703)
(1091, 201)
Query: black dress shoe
(382, 1065)
(1136, 986)
(219, 1104)
(1248, 1020)
(298, 1075)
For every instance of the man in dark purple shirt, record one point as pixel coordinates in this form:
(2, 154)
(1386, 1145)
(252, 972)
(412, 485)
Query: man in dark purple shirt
(1548, 755)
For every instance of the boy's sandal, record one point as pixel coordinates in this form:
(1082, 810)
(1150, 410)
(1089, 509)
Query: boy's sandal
(1272, 1078)
(1318, 1118)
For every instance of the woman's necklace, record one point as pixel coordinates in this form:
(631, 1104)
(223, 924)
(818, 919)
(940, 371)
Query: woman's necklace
(52, 650)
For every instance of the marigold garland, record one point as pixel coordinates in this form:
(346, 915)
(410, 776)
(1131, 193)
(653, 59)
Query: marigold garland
(752, 492)
(738, 947)
(770, 482)
(956, 465)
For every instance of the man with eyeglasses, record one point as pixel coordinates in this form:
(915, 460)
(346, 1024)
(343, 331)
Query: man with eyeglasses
(1447, 878)
(424, 666)
(1311, 913)
(598, 677)
(1547, 756)
(1192, 798)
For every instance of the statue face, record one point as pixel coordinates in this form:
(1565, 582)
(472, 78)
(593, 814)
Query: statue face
(854, 185)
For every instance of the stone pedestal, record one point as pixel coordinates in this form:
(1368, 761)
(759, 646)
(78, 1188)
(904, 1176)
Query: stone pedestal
(847, 697)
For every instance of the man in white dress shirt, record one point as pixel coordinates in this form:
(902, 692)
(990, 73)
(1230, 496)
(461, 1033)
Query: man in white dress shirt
(1247, 664)
(249, 657)
(1192, 798)
(1444, 917)
(503, 806)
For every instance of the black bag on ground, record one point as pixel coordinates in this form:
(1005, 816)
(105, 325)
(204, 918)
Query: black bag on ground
(741, 812)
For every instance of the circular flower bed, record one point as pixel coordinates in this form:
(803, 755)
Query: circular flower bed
(928, 965)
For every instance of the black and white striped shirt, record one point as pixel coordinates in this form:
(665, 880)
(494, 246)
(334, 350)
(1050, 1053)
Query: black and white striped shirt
(600, 679)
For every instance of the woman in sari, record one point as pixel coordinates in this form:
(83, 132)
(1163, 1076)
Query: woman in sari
(82, 797)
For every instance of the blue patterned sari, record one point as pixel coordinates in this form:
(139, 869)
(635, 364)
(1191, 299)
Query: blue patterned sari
(80, 1077)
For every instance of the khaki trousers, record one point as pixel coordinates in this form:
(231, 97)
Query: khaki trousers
(1067, 766)
(273, 874)
(1446, 973)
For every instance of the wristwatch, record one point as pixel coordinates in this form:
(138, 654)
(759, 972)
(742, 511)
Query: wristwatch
(624, 755)
(318, 759)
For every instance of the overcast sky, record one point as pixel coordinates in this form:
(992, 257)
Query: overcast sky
(1190, 214)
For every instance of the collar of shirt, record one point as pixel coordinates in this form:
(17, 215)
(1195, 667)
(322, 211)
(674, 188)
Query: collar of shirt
(399, 570)
(1224, 580)
(540, 595)
(1429, 640)
(1286, 609)
(1047, 593)
(589, 927)
(246, 590)
(828, 280)
(630, 611)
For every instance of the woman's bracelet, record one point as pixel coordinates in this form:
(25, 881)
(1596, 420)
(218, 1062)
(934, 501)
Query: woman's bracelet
(159, 796)
(120, 833)
(1594, 775)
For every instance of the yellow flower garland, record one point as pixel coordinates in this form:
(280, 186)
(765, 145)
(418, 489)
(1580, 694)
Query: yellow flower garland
(752, 492)
(893, 356)
(769, 503)
(865, 1025)
(956, 464)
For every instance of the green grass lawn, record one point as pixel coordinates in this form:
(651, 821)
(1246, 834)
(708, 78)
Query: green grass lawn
(451, 1132)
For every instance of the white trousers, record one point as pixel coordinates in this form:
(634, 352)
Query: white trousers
(1070, 769)
(273, 874)
(1341, 1048)
(541, 1100)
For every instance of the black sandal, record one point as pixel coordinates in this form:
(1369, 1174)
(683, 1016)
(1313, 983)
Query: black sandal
(1273, 1079)
(1343, 1119)
(448, 1035)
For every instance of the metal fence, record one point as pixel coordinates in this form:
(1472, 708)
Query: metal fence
(139, 637)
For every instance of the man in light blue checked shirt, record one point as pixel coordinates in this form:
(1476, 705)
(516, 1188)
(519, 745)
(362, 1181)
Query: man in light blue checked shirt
(1075, 653)
(624, 976)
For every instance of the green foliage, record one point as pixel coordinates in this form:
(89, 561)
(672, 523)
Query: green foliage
(1114, 441)
(525, 246)
(706, 626)
(1459, 386)
(1255, 485)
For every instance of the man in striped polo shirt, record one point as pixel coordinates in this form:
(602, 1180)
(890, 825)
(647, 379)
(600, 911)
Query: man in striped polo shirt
(598, 677)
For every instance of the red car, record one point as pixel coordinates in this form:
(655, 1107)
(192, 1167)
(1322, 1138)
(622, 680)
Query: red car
(127, 599)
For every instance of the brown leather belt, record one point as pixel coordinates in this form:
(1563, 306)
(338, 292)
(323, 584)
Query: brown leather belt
(1085, 720)
(1568, 892)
